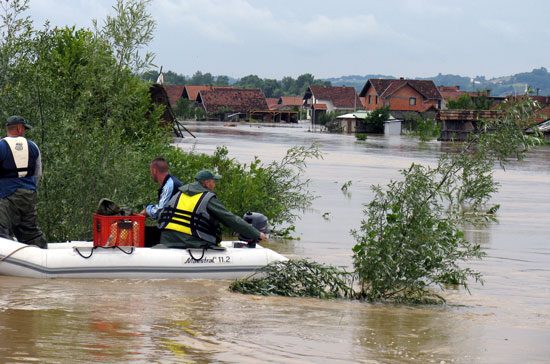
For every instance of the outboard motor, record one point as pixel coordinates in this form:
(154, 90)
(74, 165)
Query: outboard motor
(259, 221)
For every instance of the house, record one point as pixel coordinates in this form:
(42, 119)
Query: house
(289, 103)
(190, 92)
(272, 102)
(318, 99)
(175, 92)
(402, 96)
(220, 103)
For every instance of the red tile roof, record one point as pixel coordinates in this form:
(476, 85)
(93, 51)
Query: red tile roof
(291, 100)
(341, 96)
(235, 100)
(174, 93)
(191, 91)
(385, 87)
(453, 92)
(272, 102)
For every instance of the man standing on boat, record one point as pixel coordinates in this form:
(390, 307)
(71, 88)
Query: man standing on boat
(20, 171)
(169, 186)
(191, 218)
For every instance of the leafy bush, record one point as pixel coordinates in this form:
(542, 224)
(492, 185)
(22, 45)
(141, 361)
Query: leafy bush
(427, 129)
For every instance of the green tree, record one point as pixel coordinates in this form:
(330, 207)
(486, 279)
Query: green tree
(250, 81)
(375, 119)
(467, 102)
(222, 81)
(411, 237)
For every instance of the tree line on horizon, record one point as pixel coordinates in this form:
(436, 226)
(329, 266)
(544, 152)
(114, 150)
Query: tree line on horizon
(538, 80)
(287, 86)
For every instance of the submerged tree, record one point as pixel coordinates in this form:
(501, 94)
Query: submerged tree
(412, 238)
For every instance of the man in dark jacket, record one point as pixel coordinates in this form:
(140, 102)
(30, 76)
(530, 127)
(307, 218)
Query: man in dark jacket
(20, 171)
(191, 218)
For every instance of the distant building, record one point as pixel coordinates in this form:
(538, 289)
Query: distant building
(272, 102)
(220, 103)
(401, 95)
(458, 124)
(175, 92)
(289, 103)
(319, 99)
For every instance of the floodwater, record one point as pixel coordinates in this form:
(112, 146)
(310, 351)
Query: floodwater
(506, 320)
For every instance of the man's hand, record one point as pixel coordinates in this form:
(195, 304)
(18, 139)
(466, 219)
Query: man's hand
(262, 236)
(143, 213)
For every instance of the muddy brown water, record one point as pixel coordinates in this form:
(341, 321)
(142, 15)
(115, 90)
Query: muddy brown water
(506, 320)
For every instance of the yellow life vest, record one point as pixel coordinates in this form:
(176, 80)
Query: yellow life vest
(189, 215)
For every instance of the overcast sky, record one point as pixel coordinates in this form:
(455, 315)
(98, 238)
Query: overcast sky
(277, 38)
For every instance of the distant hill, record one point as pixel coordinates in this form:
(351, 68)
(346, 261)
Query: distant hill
(500, 86)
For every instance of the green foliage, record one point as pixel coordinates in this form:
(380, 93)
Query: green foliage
(277, 189)
(427, 129)
(298, 278)
(98, 130)
(467, 102)
(185, 109)
(411, 236)
(346, 185)
(361, 136)
(286, 87)
(375, 119)
(77, 88)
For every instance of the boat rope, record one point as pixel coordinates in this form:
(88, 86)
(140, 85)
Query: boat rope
(195, 259)
(104, 247)
(15, 251)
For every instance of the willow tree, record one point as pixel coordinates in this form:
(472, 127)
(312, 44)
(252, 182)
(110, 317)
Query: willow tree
(93, 119)
(412, 237)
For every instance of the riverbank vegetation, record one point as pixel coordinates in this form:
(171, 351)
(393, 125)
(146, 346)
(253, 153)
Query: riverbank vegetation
(98, 130)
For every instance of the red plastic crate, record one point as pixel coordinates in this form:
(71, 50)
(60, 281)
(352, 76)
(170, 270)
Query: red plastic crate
(119, 230)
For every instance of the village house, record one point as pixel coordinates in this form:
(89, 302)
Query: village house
(289, 103)
(323, 99)
(272, 102)
(223, 103)
(402, 96)
(175, 92)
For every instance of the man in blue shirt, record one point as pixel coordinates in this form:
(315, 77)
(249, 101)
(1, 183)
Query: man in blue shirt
(169, 186)
(20, 171)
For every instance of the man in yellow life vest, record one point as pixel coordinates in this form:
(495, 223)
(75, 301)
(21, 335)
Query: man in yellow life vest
(191, 218)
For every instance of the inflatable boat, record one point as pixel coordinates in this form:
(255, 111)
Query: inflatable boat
(80, 259)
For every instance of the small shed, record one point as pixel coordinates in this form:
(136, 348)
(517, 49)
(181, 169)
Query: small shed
(392, 127)
(352, 122)
(458, 124)
(544, 128)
